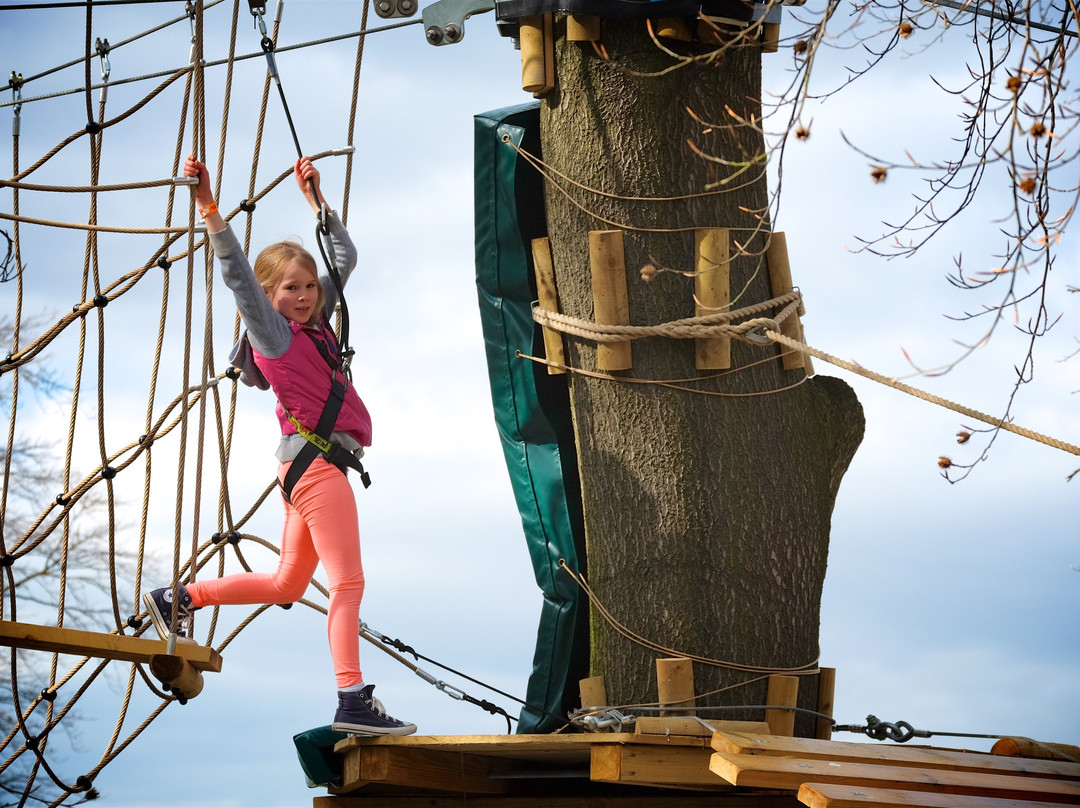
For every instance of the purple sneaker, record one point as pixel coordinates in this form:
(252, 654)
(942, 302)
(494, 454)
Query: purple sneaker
(360, 713)
(159, 605)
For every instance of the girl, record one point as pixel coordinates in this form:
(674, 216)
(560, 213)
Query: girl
(290, 349)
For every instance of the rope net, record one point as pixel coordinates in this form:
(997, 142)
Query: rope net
(124, 462)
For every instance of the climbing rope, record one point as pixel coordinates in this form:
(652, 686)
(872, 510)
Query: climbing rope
(181, 435)
(762, 331)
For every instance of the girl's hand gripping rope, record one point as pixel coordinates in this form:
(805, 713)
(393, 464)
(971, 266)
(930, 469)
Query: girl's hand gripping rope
(204, 195)
(307, 177)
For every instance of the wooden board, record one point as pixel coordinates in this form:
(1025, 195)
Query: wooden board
(101, 646)
(889, 754)
(683, 766)
(650, 799)
(817, 795)
(768, 771)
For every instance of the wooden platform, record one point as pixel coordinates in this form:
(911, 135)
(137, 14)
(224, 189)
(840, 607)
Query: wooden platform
(723, 768)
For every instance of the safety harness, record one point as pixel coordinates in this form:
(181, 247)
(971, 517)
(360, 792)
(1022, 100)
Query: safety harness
(318, 441)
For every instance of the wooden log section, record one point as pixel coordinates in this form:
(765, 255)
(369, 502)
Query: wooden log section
(101, 646)
(675, 686)
(544, 269)
(582, 28)
(610, 302)
(674, 28)
(712, 293)
(780, 277)
(783, 692)
(1026, 747)
(537, 41)
(179, 674)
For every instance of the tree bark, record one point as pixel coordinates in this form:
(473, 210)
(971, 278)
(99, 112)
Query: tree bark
(707, 513)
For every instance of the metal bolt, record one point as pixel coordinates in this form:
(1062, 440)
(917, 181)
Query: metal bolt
(453, 33)
(434, 35)
(406, 7)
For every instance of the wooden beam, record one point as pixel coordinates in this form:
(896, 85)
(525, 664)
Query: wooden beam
(921, 757)
(768, 771)
(678, 766)
(817, 795)
(706, 800)
(419, 768)
(100, 645)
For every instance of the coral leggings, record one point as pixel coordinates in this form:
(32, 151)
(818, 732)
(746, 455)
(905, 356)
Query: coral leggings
(320, 525)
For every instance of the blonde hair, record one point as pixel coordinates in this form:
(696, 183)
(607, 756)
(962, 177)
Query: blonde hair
(272, 262)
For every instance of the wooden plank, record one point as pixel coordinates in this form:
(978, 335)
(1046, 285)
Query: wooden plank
(420, 768)
(100, 645)
(568, 746)
(621, 800)
(889, 754)
(769, 771)
(697, 726)
(818, 795)
(680, 766)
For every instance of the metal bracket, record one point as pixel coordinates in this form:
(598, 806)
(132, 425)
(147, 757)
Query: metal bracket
(444, 20)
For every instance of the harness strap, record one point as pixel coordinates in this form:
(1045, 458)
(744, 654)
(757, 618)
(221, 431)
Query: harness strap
(318, 441)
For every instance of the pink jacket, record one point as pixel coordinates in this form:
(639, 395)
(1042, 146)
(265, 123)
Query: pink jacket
(300, 378)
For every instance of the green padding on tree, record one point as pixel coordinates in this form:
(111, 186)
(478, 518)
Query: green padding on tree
(315, 748)
(532, 408)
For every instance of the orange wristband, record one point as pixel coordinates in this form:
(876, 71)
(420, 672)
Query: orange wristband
(208, 210)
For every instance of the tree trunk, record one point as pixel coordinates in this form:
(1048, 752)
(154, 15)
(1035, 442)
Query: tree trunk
(707, 513)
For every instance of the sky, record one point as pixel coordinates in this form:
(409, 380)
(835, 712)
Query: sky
(955, 607)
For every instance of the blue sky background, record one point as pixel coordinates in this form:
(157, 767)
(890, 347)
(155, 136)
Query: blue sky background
(953, 607)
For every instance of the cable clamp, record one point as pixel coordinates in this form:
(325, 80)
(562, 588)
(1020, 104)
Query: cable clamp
(450, 690)
(16, 82)
(608, 721)
(879, 730)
